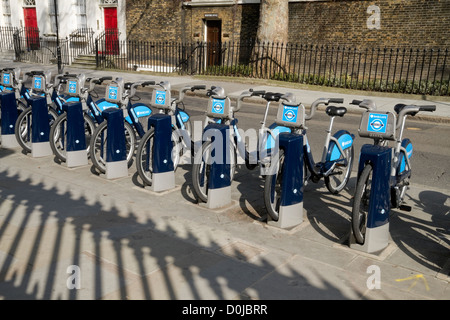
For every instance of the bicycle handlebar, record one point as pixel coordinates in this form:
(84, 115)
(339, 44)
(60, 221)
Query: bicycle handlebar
(94, 81)
(430, 108)
(257, 93)
(336, 100)
(412, 110)
(148, 83)
(187, 88)
(273, 96)
(198, 87)
(365, 104)
(320, 101)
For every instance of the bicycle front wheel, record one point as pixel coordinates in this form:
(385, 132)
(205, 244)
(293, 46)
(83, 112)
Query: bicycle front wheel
(97, 148)
(202, 168)
(144, 155)
(20, 108)
(361, 204)
(272, 187)
(338, 178)
(58, 135)
(24, 126)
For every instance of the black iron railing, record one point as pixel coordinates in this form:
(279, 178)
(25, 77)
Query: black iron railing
(30, 46)
(82, 42)
(400, 70)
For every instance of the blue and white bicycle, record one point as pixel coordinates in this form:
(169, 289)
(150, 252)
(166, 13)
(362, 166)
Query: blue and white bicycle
(40, 86)
(337, 157)
(181, 125)
(120, 94)
(383, 127)
(92, 112)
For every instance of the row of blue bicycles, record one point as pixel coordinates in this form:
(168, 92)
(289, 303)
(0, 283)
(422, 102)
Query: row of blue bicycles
(334, 167)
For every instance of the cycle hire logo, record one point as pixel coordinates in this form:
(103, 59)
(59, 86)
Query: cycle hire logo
(160, 97)
(72, 86)
(377, 123)
(6, 78)
(290, 114)
(37, 83)
(218, 106)
(112, 94)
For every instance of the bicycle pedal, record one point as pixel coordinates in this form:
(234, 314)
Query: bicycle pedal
(405, 207)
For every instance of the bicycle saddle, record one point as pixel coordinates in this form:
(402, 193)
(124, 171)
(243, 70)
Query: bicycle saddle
(333, 111)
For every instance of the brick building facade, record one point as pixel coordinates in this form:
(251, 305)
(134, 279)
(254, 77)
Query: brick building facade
(360, 23)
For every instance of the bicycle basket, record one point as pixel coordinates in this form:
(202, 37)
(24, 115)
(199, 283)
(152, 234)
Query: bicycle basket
(161, 98)
(219, 107)
(114, 92)
(378, 124)
(292, 116)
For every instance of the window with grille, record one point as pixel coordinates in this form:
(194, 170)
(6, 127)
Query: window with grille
(108, 3)
(52, 14)
(29, 3)
(7, 13)
(81, 14)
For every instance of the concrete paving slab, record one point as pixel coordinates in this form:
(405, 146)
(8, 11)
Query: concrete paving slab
(132, 244)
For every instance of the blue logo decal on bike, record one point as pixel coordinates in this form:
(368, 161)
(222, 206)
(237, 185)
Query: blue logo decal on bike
(276, 130)
(218, 106)
(290, 114)
(409, 151)
(72, 86)
(6, 79)
(38, 83)
(184, 116)
(160, 97)
(377, 123)
(141, 111)
(112, 94)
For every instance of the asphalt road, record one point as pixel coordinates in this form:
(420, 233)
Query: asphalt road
(431, 143)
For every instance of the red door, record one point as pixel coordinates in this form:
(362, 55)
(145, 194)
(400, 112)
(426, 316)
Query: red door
(31, 28)
(111, 31)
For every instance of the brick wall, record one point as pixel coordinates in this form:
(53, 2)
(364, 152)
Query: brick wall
(402, 23)
(238, 21)
(154, 20)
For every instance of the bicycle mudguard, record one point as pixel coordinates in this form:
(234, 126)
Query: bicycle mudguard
(407, 144)
(140, 110)
(2, 88)
(66, 99)
(184, 116)
(181, 118)
(102, 104)
(276, 130)
(345, 140)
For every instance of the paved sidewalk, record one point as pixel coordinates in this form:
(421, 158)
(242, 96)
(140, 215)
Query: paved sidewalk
(131, 243)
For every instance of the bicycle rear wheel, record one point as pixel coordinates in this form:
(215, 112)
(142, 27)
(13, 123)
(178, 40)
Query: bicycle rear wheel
(97, 148)
(272, 187)
(340, 175)
(58, 135)
(361, 204)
